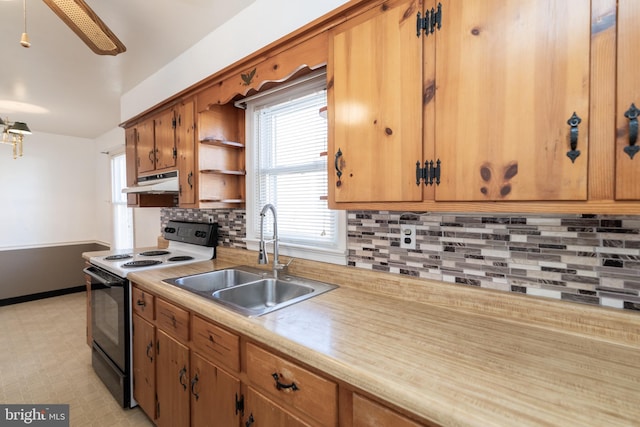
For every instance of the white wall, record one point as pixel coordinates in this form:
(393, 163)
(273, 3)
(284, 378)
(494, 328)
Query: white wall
(146, 220)
(47, 195)
(253, 28)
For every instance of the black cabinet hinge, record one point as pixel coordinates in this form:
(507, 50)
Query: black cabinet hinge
(429, 174)
(240, 405)
(174, 122)
(431, 21)
(175, 153)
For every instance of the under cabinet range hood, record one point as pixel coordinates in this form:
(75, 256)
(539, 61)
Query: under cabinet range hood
(160, 183)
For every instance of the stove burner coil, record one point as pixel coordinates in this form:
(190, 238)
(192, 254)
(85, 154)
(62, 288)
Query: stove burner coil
(117, 257)
(143, 263)
(180, 258)
(154, 253)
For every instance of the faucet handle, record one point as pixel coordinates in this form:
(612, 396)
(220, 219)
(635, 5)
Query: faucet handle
(263, 258)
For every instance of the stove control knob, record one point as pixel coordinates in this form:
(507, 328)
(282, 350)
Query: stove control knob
(169, 230)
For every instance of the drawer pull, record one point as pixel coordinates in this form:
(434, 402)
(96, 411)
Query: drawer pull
(141, 303)
(250, 421)
(149, 347)
(183, 373)
(281, 386)
(632, 115)
(211, 339)
(174, 321)
(573, 122)
(194, 381)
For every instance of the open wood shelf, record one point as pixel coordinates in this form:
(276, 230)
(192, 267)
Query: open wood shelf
(223, 172)
(221, 143)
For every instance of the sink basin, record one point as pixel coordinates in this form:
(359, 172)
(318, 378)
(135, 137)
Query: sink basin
(261, 295)
(214, 280)
(247, 290)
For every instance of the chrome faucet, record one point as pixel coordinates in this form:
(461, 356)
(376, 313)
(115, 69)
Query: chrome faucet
(262, 254)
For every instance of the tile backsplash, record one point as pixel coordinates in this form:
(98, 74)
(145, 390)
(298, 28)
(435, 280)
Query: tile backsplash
(593, 259)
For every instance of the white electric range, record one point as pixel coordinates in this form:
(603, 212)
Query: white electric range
(111, 298)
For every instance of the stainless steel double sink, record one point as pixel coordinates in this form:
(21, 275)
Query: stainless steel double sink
(251, 291)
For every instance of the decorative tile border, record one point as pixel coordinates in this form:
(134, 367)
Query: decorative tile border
(593, 259)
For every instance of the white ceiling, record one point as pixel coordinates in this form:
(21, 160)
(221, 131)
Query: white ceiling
(68, 89)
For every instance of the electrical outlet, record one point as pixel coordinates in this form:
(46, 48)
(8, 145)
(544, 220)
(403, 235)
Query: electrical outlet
(407, 236)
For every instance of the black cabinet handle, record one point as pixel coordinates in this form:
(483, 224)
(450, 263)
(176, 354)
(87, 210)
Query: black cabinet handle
(281, 386)
(183, 373)
(190, 179)
(574, 121)
(338, 171)
(250, 421)
(149, 347)
(141, 303)
(194, 381)
(632, 115)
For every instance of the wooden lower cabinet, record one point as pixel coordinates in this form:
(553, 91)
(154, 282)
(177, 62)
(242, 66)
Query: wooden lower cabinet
(172, 382)
(215, 395)
(144, 365)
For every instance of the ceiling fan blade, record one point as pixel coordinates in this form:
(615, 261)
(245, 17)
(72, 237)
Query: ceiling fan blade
(87, 25)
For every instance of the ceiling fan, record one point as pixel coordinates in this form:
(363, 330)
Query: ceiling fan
(87, 25)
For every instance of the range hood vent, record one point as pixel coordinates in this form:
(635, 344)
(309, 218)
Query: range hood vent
(156, 184)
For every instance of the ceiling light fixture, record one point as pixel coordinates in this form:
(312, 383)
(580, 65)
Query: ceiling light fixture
(13, 133)
(24, 40)
(87, 25)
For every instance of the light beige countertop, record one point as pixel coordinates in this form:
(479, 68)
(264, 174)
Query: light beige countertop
(454, 355)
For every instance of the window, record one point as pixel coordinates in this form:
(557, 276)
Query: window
(122, 215)
(287, 167)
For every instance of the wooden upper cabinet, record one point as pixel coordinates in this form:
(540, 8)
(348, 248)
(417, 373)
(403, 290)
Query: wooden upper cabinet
(375, 104)
(145, 147)
(628, 93)
(509, 75)
(165, 143)
(186, 149)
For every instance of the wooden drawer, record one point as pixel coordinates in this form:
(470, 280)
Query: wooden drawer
(215, 343)
(369, 413)
(142, 303)
(173, 320)
(295, 387)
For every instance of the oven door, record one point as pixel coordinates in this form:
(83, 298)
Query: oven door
(109, 317)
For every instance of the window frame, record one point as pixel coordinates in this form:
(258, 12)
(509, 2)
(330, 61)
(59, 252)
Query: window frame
(287, 91)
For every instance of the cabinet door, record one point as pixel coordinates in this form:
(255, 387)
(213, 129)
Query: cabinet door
(261, 412)
(172, 380)
(213, 395)
(145, 147)
(509, 76)
(144, 375)
(186, 146)
(165, 143)
(375, 105)
(628, 93)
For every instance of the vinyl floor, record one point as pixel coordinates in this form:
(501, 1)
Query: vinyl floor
(44, 359)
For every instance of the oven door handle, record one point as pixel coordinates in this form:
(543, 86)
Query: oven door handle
(104, 278)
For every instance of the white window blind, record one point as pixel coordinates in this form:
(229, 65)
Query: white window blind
(288, 168)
